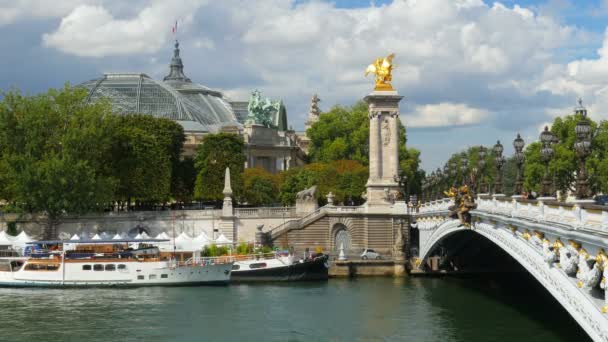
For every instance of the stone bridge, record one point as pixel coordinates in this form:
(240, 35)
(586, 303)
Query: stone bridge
(562, 245)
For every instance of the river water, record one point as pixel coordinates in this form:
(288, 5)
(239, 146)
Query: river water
(488, 308)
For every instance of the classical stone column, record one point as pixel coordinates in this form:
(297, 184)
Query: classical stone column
(374, 138)
(382, 185)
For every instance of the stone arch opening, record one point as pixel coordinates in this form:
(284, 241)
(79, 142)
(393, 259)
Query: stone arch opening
(341, 237)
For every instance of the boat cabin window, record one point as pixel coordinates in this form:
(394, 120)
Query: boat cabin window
(97, 267)
(258, 265)
(236, 267)
(86, 267)
(140, 277)
(164, 276)
(41, 267)
(110, 267)
(122, 266)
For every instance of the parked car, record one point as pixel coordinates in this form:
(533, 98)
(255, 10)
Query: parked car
(601, 200)
(370, 254)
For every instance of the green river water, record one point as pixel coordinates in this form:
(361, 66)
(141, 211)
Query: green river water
(488, 308)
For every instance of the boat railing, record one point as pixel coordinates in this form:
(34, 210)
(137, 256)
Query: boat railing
(204, 261)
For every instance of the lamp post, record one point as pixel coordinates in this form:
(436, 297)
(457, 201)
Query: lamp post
(440, 179)
(582, 147)
(518, 144)
(453, 172)
(464, 169)
(546, 154)
(481, 164)
(447, 174)
(499, 160)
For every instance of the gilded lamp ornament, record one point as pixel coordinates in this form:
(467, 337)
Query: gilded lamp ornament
(382, 68)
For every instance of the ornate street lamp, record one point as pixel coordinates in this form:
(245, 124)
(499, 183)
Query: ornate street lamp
(518, 144)
(481, 163)
(453, 171)
(582, 146)
(432, 183)
(546, 154)
(499, 160)
(464, 169)
(438, 190)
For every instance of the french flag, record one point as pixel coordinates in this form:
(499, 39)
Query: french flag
(174, 28)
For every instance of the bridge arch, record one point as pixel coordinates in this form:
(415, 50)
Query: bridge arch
(554, 280)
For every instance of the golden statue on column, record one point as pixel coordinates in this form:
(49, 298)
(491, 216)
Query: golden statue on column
(382, 68)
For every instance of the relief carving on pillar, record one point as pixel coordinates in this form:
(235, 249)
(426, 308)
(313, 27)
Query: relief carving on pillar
(386, 133)
(394, 113)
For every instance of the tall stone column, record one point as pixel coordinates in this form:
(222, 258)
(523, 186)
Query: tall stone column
(382, 185)
(374, 139)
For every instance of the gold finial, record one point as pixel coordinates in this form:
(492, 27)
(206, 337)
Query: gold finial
(558, 243)
(382, 68)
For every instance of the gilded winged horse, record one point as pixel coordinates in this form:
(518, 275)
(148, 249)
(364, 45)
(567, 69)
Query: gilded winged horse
(382, 68)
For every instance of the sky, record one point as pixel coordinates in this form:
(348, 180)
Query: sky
(471, 72)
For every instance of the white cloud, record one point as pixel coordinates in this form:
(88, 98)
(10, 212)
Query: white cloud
(93, 31)
(12, 10)
(444, 114)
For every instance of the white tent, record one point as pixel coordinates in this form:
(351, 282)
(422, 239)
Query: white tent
(75, 237)
(117, 237)
(144, 235)
(20, 240)
(5, 239)
(222, 239)
(202, 239)
(138, 237)
(96, 237)
(185, 243)
(163, 236)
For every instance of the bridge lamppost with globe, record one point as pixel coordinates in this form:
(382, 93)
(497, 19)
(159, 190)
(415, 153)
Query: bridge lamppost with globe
(454, 172)
(582, 147)
(546, 154)
(481, 164)
(499, 160)
(518, 144)
(464, 170)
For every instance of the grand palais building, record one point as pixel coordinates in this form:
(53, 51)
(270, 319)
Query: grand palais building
(200, 111)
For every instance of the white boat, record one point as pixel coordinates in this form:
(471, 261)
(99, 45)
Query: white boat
(109, 263)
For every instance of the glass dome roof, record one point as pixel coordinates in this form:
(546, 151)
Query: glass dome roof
(175, 98)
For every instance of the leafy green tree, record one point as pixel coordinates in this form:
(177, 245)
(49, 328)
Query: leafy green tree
(260, 187)
(54, 153)
(214, 155)
(184, 178)
(341, 133)
(145, 152)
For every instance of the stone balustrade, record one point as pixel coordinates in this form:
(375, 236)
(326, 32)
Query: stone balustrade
(574, 216)
(264, 212)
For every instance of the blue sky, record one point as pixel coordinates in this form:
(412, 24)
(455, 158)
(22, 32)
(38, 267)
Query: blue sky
(471, 72)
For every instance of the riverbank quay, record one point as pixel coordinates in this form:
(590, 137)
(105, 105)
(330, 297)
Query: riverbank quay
(367, 268)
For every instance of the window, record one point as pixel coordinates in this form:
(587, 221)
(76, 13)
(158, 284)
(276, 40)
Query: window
(122, 266)
(110, 267)
(164, 276)
(86, 267)
(41, 267)
(236, 267)
(152, 276)
(140, 277)
(97, 267)
(258, 265)
(371, 251)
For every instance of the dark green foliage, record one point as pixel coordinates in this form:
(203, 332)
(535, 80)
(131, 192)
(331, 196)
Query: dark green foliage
(218, 152)
(260, 187)
(54, 152)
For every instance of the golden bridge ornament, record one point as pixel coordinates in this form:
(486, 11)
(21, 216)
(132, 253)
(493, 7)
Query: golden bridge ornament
(382, 68)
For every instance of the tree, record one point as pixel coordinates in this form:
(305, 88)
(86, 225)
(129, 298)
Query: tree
(341, 133)
(214, 155)
(146, 157)
(259, 187)
(53, 153)
(184, 179)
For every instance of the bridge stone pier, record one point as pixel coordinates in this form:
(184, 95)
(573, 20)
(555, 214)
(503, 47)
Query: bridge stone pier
(562, 245)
